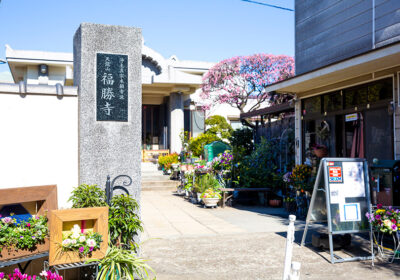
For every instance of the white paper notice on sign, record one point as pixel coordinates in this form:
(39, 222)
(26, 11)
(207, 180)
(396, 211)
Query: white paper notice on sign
(353, 180)
(350, 212)
(334, 192)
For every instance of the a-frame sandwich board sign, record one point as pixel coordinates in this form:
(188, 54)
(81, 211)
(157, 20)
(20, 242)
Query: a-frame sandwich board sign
(341, 198)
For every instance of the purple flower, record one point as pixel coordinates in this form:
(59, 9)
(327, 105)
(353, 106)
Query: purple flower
(33, 237)
(7, 220)
(378, 217)
(81, 249)
(91, 249)
(394, 227)
(1, 275)
(21, 237)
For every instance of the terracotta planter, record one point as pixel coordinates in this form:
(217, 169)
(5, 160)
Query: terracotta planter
(275, 202)
(320, 152)
(210, 202)
(12, 253)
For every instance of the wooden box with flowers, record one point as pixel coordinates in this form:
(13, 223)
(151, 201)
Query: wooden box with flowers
(77, 235)
(23, 220)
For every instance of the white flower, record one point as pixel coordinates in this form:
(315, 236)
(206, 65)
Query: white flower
(44, 273)
(66, 242)
(75, 235)
(91, 242)
(73, 241)
(76, 229)
(82, 238)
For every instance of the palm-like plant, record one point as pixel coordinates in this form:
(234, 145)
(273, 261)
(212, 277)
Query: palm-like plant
(119, 263)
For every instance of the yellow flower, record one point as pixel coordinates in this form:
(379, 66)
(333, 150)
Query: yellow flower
(380, 211)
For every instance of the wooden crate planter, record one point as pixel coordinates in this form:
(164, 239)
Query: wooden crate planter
(37, 200)
(63, 220)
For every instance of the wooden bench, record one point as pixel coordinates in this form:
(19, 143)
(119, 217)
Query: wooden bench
(226, 190)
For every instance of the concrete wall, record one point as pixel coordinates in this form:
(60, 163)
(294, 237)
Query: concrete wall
(332, 30)
(38, 142)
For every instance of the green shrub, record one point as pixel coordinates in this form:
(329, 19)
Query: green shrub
(197, 144)
(86, 196)
(242, 138)
(260, 168)
(219, 127)
(123, 221)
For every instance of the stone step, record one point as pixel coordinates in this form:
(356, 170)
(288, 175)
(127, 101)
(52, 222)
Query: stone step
(147, 178)
(160, 185)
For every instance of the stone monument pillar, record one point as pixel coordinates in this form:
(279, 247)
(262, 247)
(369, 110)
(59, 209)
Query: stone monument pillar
(107, 71)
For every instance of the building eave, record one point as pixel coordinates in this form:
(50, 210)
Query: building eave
(370, 62)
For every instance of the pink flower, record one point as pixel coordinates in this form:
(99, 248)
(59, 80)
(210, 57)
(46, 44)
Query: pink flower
(28, 224)
(81, 249)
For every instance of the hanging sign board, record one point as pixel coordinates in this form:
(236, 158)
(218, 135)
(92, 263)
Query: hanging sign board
(341, 199)
(351, 117)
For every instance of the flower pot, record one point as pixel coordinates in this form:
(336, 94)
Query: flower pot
(12, 253)
(275, 202)
(320, 152)
(210, 202)
(387, 245)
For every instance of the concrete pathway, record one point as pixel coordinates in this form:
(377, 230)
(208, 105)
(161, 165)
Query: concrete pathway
(184, 241)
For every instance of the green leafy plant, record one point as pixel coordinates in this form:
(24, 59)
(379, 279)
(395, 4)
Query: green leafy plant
(204, 182)
(120, 263)
(25, 235)
(242, 140)
(197, 144)
(188, 181)
(86, 196)
(124, 222)
(260, 168)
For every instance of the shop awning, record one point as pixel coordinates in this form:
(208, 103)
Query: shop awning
(365, 64)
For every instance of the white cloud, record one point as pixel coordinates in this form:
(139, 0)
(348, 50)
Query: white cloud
(5, 77)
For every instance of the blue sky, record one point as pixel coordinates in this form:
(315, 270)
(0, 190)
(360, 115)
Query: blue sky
(208, 30)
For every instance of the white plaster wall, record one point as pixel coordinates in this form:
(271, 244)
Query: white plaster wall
(39, 142)
(57, 75)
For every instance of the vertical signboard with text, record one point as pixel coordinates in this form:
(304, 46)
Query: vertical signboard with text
(112, 87)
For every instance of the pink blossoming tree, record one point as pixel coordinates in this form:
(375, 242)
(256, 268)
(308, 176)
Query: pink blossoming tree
(236, 81)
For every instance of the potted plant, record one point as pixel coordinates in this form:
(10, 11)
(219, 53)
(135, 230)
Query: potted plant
(386, 226)
(204, 182)
(71, 242)
(119, 263)
(320, 151)
(210, 197)
(23, 220)
(24, 237)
